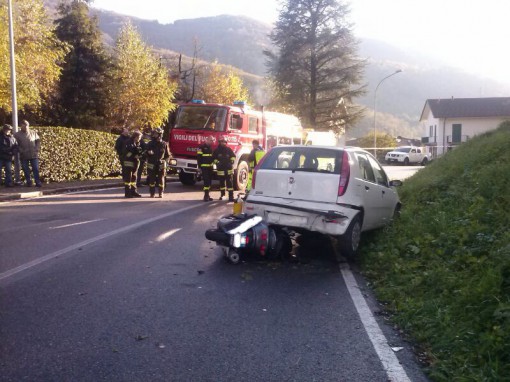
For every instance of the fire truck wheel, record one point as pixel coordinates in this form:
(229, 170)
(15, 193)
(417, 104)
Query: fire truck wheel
(186, 178)
(241, 176)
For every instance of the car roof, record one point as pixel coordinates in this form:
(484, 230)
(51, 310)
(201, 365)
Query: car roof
(338, 148)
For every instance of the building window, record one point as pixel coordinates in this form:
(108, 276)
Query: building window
(431, 131)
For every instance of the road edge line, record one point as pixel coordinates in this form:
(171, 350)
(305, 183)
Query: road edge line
(389, 360)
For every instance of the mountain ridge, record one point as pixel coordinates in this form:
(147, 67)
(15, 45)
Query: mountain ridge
(239, 41)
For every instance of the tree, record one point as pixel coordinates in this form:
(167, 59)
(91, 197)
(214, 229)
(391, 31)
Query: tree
(316, 68)
(38, 54)
(141, 90)
(82, 87)
(221, 87)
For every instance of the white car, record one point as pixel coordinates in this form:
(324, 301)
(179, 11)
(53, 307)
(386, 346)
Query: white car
(407, 155)
(331, 190)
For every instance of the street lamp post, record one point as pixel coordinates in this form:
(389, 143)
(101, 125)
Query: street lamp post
(375, 107)
(13, 90)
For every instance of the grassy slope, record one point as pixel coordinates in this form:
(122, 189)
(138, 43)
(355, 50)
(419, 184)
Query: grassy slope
(444, 268)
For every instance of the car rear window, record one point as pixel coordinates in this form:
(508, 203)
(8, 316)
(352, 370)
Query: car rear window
(310, 159)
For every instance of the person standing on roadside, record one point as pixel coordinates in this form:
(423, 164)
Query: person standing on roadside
(146, 138)
(130, 162)
(224, 159)
(29, 146)
(255, 156)
(205, 163)
(8, 147)
(157, 155)
(120, 144)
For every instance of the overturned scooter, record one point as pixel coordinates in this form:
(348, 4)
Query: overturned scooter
(242, 234)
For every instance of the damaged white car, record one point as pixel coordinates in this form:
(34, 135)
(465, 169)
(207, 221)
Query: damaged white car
(337, 191)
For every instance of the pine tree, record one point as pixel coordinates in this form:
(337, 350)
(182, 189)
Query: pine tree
(316, 69)
(141, 92)
(82, 87)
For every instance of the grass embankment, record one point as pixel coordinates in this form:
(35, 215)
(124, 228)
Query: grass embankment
(443, 268)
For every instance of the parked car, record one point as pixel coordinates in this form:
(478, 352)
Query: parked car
(407, 155)
(331, 190)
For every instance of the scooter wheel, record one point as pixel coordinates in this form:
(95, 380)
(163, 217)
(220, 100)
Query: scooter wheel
(233, 257)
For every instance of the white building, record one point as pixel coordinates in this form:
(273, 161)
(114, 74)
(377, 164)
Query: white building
(449, 122)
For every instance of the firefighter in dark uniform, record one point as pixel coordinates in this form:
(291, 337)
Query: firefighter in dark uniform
(255, 156)
(146, 137)
(157, 155)
(224, 159)
(120, 144)
(130, 162)
(205, 164)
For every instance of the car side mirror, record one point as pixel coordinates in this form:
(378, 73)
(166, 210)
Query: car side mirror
(396, 183)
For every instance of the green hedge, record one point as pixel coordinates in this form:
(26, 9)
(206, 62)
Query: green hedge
(74, 154)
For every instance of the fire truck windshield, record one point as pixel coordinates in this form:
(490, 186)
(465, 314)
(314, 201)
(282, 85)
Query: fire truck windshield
(201, 117)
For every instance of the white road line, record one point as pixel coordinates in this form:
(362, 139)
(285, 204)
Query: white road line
(73, 224)
(389, 360)
(166, 235)
(33, 263)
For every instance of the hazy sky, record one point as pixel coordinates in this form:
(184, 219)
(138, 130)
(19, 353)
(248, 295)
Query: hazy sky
(470, 34)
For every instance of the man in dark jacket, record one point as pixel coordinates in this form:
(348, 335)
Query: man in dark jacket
(224, 159)
(157, 155)
(130, 162)
(8, 147)
(205, 163)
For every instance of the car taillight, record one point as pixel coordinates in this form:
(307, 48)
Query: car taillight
(345, 172)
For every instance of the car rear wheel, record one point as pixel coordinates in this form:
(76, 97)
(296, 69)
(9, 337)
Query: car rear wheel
(349, 241)
(406, 162)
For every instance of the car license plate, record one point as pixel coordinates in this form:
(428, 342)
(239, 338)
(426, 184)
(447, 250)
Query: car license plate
(284, 219)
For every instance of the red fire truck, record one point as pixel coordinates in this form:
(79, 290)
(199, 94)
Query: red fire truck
(238, 123)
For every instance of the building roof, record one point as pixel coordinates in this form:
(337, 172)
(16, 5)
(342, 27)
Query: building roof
(468, 107)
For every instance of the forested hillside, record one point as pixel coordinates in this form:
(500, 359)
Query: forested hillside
(239, 41)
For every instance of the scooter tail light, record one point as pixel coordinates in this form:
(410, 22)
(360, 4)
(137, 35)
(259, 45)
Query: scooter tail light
(345, 173)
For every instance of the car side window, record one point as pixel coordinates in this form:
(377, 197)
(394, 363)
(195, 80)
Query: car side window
(366, 171)
(380, 175)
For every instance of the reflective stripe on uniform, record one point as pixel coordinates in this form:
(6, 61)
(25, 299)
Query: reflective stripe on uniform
(150, 166)
(221, 173)
(129, 164)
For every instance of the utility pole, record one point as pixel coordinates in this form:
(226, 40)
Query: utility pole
(13, 91)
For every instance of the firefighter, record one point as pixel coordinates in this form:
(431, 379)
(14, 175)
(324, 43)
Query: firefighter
(255, 156)
(205, 163)
(224, 159)
(157, 155)
(120, 144)
(130, 161)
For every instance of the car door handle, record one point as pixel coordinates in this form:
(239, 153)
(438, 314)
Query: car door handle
(367, 188)
(384, 192)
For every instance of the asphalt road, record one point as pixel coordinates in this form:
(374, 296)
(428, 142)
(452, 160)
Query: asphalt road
(94, 287)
